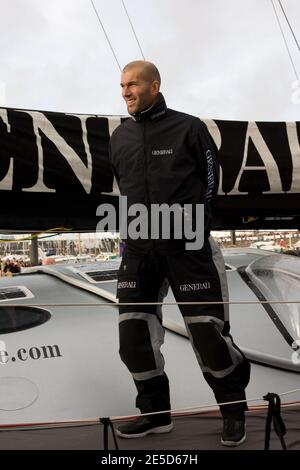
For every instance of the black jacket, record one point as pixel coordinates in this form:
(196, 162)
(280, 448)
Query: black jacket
(164, 156)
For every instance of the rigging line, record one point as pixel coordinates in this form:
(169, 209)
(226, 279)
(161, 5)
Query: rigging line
(133, 30)
(285, 41)
(69, 423)
(107, 38)
(201, 407)
(287, 20)
(115, 304)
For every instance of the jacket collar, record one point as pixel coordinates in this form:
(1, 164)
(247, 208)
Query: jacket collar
(154, 113)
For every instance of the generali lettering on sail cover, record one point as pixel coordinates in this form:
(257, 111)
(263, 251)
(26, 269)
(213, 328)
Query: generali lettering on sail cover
(44, 152)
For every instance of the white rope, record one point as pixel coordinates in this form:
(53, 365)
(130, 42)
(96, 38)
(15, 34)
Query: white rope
(108, 304)
(201, 407)
(93, 421)
(289, 391)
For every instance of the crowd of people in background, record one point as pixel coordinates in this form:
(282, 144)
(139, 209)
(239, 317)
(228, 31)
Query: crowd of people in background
(9, 266)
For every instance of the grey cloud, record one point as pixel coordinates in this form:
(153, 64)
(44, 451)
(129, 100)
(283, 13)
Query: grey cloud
(218, 58)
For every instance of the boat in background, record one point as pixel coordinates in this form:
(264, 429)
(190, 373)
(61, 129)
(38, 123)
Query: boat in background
(59, 347)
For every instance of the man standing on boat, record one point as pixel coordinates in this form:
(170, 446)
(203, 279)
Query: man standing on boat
(161, 156)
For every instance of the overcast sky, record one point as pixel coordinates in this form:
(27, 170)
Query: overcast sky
(222, 59)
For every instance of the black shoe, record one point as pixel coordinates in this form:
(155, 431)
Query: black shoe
(145, 425)
(234, 432)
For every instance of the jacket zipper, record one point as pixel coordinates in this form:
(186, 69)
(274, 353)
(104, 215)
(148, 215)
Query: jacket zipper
(146, 182)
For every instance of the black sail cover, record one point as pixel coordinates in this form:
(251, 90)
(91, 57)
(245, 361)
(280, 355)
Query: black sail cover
(55, 171)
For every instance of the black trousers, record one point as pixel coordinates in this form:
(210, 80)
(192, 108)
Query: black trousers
(193, 276)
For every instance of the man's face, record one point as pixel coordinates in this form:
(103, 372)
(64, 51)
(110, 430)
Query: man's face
(138, 93)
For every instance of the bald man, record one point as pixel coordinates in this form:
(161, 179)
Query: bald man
(162, 156)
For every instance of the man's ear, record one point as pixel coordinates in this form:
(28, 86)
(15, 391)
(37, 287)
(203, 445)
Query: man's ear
(155, 87)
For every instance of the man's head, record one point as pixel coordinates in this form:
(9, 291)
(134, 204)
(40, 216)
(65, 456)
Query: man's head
(140, 82)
